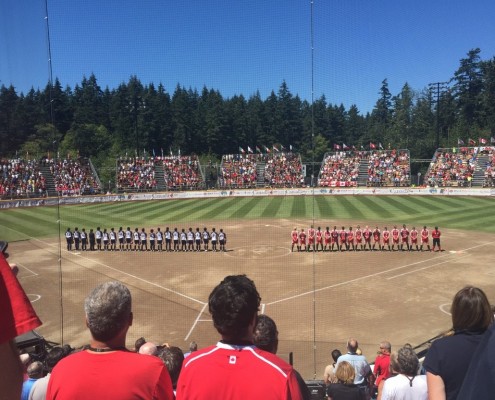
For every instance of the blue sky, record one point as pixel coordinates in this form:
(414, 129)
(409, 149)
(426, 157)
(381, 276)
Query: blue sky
(239, 47)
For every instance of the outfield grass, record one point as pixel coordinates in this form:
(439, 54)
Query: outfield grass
(465, 213)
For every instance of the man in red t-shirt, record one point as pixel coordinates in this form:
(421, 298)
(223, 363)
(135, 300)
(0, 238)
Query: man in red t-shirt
(235, 368)
(106, 369)
(17, 316)
(436, 239)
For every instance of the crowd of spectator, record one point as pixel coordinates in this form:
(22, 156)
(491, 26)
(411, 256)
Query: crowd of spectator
(389, 168)
(136, 174)
(283, 170)
(73, 177)
(182, 172)
(238, 171)
(21, 178)
(340, 169)
(452, 167)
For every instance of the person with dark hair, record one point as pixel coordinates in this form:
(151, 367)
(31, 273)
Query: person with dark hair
(172, 357)
(329, 373)
(106, 369)
(138, 343)
(448, 358)
(266, 338)
(345, 388)
(38, 391)
(407, 384)
(235, 368)
(34, 372)
(193, 346)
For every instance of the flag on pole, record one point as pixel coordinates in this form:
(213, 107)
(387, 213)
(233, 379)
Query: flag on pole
(241, 150)
(250, 150)
(267, 149)
(345, 147)
(282, 148)
(171, 154)
(336, 146)
(380, 146)
(154, 152)
(258, 150)
(162, 151)
(460, 142)
(290, 147)
(482, 140)
(275, 148)
(179, 151)
(372, 145)
(472, 142)
(492, 140)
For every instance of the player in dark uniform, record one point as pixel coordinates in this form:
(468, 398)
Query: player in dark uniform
(159, 239)
(152, 239)
(84, 240)
(168, 239)
(206, 239)
(77, 238)
(68, 239)
(222, 240)
(214, 240)
(92, 240)
(197, 239)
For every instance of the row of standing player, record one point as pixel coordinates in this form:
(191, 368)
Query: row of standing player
(138, 240)
(364, 239)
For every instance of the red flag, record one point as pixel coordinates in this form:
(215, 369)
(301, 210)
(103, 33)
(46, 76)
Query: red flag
(345, 147)
(372, 146)
(482, 140)
(267, 149)
(241, 150)
(336, 146)
(472, 142)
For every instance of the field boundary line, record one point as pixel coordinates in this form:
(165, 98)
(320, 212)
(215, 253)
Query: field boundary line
(196, 321)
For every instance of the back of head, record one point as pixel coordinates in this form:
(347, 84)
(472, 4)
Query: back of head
(336, 353)
(266, 334)
(233, 304)
(345, 373)
(352, 345)
(108, 310)
(172, 357)
(138, 343)
(35, 370)
(394, 363)
(407, 361)
(193, 346)
(54, 356)
(471, 310)
(148, 348)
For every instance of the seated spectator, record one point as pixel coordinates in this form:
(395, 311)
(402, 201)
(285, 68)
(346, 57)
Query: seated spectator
(238, 171)
(283, 170)
(193, 346)
(136, 174)
(73, 177)
(407, 384)
(389, 168)
(452, 167)
(148, 348)
(345, 388)
(139, 342)
(106, 369)
(34, 372)
(340, 169)
(173, 358)
(329, 373)
(182, 172)
(20, 178)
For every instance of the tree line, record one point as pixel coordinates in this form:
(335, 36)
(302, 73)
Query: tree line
(137, 119)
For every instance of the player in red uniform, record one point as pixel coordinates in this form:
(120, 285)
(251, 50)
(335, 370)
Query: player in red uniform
(367, 238)
(414, 239)
(311, 238)
(350, 240)
(436, 239)
(319, 239)
(342, 239)
(335, 239)
(359, 238)
(395, 237)
(302, 240)
(328, 237)
(376, 238)
(425, 238)
(295, 239)
(386, 238)
(404, 234)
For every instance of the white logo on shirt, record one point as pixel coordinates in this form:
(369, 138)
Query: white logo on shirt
(232, 359)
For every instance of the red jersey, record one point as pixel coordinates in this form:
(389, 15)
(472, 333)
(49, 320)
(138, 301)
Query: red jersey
(425, 235)
(302, 237)
(359, 235)
(343, 235)
(395, 233)
(335, 236)
(295, 237)
(436, 234)
(311, 233)
(386, 236)
(414, 236)
(376, 235)
(236, 372)
(350, 237)
(367, 235)
(319, 236)
(328, 235)
(404, 233)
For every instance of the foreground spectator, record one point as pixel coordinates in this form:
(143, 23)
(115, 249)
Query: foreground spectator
(266, 338)
(38, 392)
(329, 373)
(448, 358)
(173, 358)
(17, 316)
(234, 368)
(107, 370)
(345, 388)
(407, 384)
(364, 377)
(34, 372)
(382, 363)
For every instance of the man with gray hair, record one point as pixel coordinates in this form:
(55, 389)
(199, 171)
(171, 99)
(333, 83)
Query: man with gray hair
(106, 369)
(34, 372)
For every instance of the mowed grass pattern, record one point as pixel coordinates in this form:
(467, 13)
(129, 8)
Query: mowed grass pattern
(465, 213)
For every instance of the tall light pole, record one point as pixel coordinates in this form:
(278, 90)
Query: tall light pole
(440, 88)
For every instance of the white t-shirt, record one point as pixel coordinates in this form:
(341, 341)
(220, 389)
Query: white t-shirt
(399, 388)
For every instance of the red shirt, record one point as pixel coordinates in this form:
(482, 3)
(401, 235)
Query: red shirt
(17, 315)
(236, 372)
(381, 368)
(435, 234)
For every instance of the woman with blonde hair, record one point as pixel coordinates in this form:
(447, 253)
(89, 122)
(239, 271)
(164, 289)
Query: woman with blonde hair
(448, 358)
(345, 389)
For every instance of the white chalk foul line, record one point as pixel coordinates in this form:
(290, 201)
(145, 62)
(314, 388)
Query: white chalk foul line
(196, 321)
